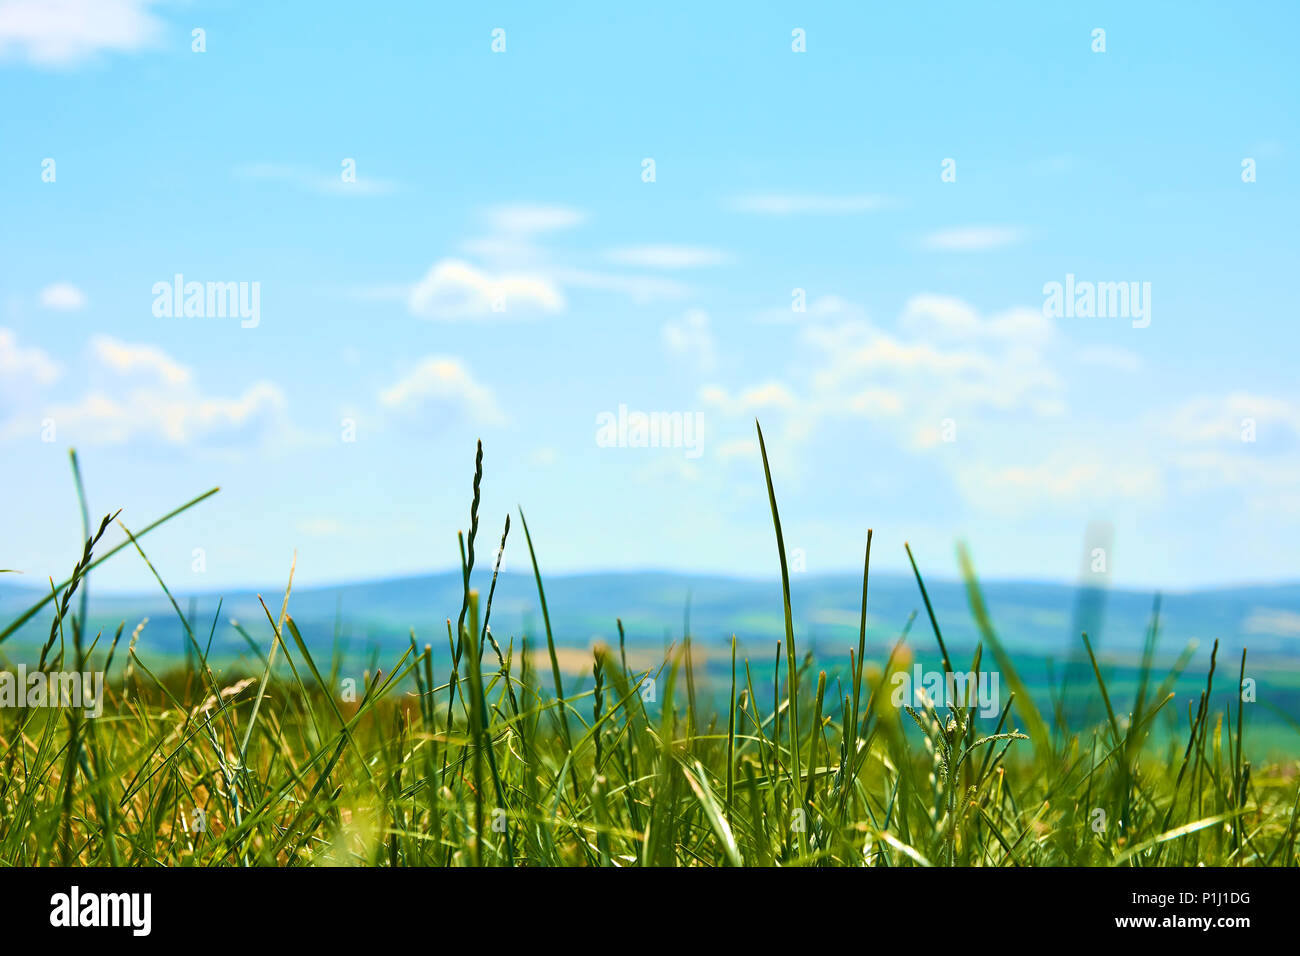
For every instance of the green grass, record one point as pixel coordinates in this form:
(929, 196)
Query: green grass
(464, 754)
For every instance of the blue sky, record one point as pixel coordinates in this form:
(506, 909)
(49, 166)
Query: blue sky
(922, 391)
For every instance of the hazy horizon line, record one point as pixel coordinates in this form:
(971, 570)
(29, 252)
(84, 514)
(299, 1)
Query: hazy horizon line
(15, 581)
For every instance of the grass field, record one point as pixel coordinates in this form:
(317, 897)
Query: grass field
(461, 753)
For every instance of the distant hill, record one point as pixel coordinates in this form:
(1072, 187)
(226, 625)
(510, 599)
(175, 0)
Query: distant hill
(1037, 618)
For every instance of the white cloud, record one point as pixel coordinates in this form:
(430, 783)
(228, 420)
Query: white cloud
(148, 395)
(515, 245)
(65, 32)
(1268, 485)
(531, 218)
(438, 383)
(312, 180)
(805, 204)
(21, 366)
(454, 289)
(1224, 418)
(171, 416)
(769, 394)
(992, 374)
(1065, 476)
(124, 359)
(691, 336)
(1241, 442)
(973, 238)
(938, 318)
(63, 297)
(977, 399)
(947, 361)
(1193, 448)
(668, 256)
(943, 314)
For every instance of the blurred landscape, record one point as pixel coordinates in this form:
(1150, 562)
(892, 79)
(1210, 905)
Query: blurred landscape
(371, 623)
